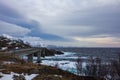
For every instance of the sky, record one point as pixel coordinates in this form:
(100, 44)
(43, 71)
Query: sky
(69, 23)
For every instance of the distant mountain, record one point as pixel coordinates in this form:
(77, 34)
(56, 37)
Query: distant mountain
(7, 43)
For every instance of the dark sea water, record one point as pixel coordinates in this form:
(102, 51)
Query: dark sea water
(103, 53)
(67, 61)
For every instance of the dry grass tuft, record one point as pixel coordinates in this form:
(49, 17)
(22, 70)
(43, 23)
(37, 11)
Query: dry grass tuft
(9, 57)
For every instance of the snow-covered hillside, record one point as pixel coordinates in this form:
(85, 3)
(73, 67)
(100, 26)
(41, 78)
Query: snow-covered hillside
(8, 42)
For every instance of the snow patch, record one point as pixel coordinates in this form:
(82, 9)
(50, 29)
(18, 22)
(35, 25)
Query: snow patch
(8, 36)
(4, 48)
(10, 76)
(8, 62)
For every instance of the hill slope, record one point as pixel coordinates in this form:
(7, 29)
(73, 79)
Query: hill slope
(8, 44)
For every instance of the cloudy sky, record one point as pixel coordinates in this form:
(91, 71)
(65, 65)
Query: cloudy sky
(78, 23)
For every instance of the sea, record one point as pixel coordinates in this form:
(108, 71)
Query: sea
(67, 61)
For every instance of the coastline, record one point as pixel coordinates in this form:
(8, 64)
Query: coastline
(22, 67)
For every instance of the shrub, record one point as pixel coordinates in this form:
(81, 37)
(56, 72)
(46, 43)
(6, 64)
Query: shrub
(95, 68)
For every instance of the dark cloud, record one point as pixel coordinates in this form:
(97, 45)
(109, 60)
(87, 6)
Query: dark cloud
(6, 10)
(11, 16)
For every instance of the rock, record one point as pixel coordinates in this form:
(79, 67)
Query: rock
(20, 77)
(59, 52)
(49, 52)
(1, 76)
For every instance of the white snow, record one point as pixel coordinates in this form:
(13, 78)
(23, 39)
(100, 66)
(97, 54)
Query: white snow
(30, 77)
(9, 76)
(4, 48)
(8, 36)
(8, 62)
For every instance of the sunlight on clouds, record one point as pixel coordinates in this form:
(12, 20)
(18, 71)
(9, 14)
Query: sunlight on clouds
(105, 40)
(65, 30)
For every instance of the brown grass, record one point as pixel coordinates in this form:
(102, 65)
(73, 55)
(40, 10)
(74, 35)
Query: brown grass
(9, 57)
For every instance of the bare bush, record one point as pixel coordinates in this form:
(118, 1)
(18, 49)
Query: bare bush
(79, 66)
(56, 65)
(95, 68)
(115, 69)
